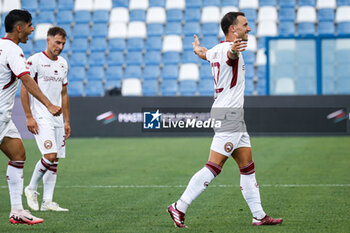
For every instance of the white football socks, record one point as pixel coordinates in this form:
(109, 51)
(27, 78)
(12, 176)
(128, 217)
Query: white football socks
(251, 194)
(14, 176)
(40, 169)
(49, 181)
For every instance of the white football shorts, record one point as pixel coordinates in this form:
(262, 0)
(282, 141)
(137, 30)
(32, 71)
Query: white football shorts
(50, 139)
(226, 143)
(8, 129)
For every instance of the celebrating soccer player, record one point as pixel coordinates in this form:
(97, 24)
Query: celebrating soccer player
(228, 69)
(18, 25)
(50, 72)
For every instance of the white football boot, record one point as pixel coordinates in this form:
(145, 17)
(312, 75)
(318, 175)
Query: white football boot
(51, 206)
(32, 198)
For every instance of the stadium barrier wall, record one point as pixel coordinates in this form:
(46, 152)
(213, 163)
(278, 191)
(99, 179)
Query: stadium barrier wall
(264, 115)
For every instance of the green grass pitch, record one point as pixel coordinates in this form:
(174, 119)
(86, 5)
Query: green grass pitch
(125, 185)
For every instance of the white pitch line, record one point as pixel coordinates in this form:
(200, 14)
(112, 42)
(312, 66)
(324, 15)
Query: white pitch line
(210, 186)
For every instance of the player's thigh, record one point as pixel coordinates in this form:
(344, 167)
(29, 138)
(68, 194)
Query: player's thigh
(10, 142)
(60, 142)
(243, 153)
(45, 139)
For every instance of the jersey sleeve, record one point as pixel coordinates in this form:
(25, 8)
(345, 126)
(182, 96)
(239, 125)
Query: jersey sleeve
(210, 54)
(65, 79)
(17, 62)
(32, 66)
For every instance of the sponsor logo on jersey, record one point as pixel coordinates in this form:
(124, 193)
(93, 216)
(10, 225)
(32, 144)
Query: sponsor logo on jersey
(48, 144)
(151, 120)
(228, 147)
(45, 65)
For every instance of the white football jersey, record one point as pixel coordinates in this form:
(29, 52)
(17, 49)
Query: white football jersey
(229, 77)
(12, 67)
(50, 75)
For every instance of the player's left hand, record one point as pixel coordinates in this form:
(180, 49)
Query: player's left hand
(66, 130)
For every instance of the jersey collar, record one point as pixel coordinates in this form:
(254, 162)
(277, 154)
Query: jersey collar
(48, 57)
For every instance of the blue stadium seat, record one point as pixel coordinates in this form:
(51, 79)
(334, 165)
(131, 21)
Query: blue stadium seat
(99, 30)
(250, 14)
(94, 88)
(326, 28)
(78, 59)
(287, 14)
(343, 28)
(40, 45)
(137, 15)
(82, 16)
(286, 28)
(191, 28)
(115, 58)
(189, 57)
(27, 47)
(267, 3)
(95, 73)
(155, 29)
(170, 72)
(326, 14)
(306, 29)
(116, 44)
(67, 27)
(306, 3)
(187, 42)
(261, 72)
(114, 72)
(150, 87)
(100, 16)
(153, 58)
(153, 43)
(98, 45)
(110, 84)
(75, 88)
(134, 58)
(249, 56)
(173, 28)
(249, 87)
(206, 87)
(30, 5)
(261, 43)
(81, 30)
(46, 17)
(229, 3)
(49, 5)
(343, 85)
(80, 45)
(287, 3)
(328, 85)
(188, 88)
(151, 72)
(209, 41)
(210, 29)
(193, 14)
(305, 87)
(157, 3)
(205, 72)
(211, 3)
(249, 71)
(174, 15)
(77, 73)
(193, 3)
(169, 88)
(64, 16)
(133, 71)
(121, 3)
(135, 44)
(252, 28)
(343, 3)
(65, 4)
(171, 58)
(97, 59)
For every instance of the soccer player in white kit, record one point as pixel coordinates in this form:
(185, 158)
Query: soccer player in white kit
(50, 72)
(228, 70)
(18, 25)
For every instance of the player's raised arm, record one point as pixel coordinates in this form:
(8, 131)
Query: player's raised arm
(237, 47)
(199, 51)
(33, 89)
(31, 123)
(65, 111)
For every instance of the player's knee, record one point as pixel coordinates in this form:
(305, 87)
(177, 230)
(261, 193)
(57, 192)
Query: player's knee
(214, 168)
(248, 168)
(51, 157)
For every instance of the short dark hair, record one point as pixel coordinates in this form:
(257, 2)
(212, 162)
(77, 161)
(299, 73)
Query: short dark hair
(229, 19)
(53, 31)
(16, 16)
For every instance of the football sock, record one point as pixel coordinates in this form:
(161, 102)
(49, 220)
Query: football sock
(40, 169)
(49, 181)
(198, 183)
(250, 190)
(14, 176)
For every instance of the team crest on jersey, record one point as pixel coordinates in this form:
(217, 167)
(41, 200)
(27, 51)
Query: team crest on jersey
(228, 147)
(48, 144)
